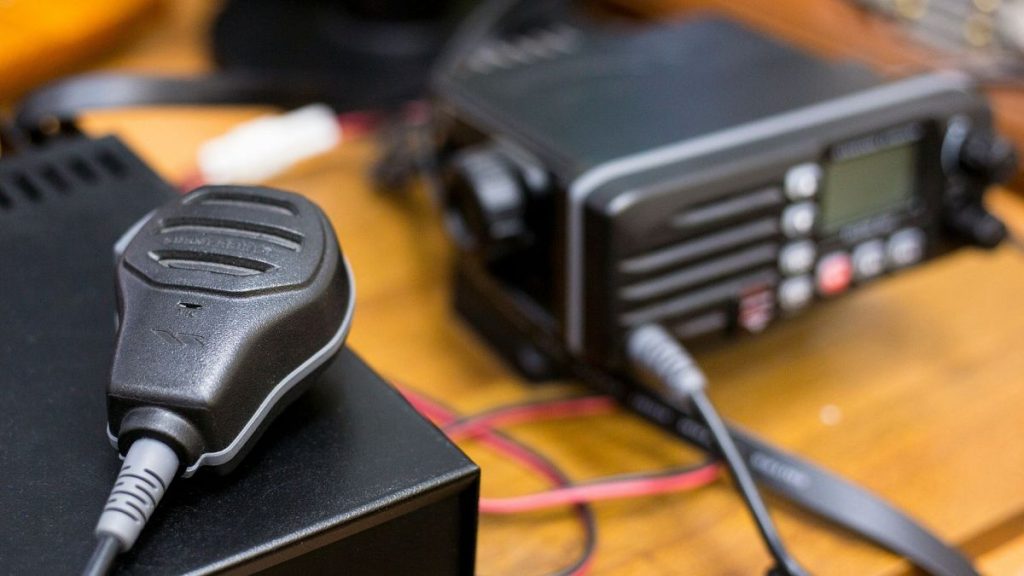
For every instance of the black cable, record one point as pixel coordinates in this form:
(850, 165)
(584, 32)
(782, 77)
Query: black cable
(61, 103)
(466, 419)
(745, 483)
(65, 101)
(584, 511)
(811, 488)
(662, 363)
(102, 560)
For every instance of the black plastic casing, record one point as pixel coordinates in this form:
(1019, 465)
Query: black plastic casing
(349, 477)
(676, 138)
(229, 298)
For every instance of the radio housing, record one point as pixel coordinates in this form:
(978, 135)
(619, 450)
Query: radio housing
(698, 175)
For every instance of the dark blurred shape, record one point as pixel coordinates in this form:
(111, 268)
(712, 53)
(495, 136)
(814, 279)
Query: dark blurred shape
(395, 10)
(373, 53)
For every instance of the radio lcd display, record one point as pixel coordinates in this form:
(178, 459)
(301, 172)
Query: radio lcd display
(862, 186)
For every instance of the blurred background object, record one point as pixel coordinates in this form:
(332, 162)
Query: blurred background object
(42, 40)
(930, 377)
(990, 30)
(367, 53)
(894, 37)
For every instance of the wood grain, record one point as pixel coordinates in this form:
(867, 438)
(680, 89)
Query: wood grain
(911, 387)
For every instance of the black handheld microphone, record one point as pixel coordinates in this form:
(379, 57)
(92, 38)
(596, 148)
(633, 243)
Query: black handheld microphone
(229, 299)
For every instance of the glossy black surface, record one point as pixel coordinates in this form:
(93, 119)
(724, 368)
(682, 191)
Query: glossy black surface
(222, 295)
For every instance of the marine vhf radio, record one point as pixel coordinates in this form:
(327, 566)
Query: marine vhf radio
(703, 177)
(617, 195)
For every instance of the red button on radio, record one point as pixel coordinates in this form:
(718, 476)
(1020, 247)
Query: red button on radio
(835, 272)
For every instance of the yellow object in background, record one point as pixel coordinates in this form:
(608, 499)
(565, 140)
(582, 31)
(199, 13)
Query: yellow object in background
(41, 39)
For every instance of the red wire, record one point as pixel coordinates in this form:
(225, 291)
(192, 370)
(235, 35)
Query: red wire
(482, 427)
(359, 123)
(573, 407)
(443, 416)
(565, 496)
(611, 490)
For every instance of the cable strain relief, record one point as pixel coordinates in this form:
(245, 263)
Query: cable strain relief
(664, 365)
(147, 471)
(164, 425)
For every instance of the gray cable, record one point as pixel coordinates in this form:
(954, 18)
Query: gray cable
(148, 470)
(103, 558)
(664, 365)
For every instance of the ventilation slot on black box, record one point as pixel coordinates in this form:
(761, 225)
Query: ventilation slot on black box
(112, 164)
(28, 188)
(687, 303)
(55, 179)
(701, 272)
(83, 171)
(722, 212)
(726, 249)
(696, 248)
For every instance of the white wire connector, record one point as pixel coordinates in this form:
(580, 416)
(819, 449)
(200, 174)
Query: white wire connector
(262, 148)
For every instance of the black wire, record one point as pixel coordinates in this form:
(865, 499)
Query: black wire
(745, 484)
(65, 100)
(584, 511)
(463, 420)
(666, 473)
(102, 560)
(610, 479)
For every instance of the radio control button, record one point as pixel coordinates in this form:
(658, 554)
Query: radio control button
(798, 219)
(869, 260)
(803, 181)
(797, 258)
(795, 293)
(834, 274)
(906, 247)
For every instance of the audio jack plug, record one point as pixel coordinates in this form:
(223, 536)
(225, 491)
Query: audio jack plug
(230, 299)
(667, 368)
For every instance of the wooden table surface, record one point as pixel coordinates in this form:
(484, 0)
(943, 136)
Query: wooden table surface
(911, 387)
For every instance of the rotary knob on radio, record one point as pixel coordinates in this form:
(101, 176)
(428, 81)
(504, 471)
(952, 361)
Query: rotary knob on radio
(485, 202)
(988, 157)
(976, 158)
